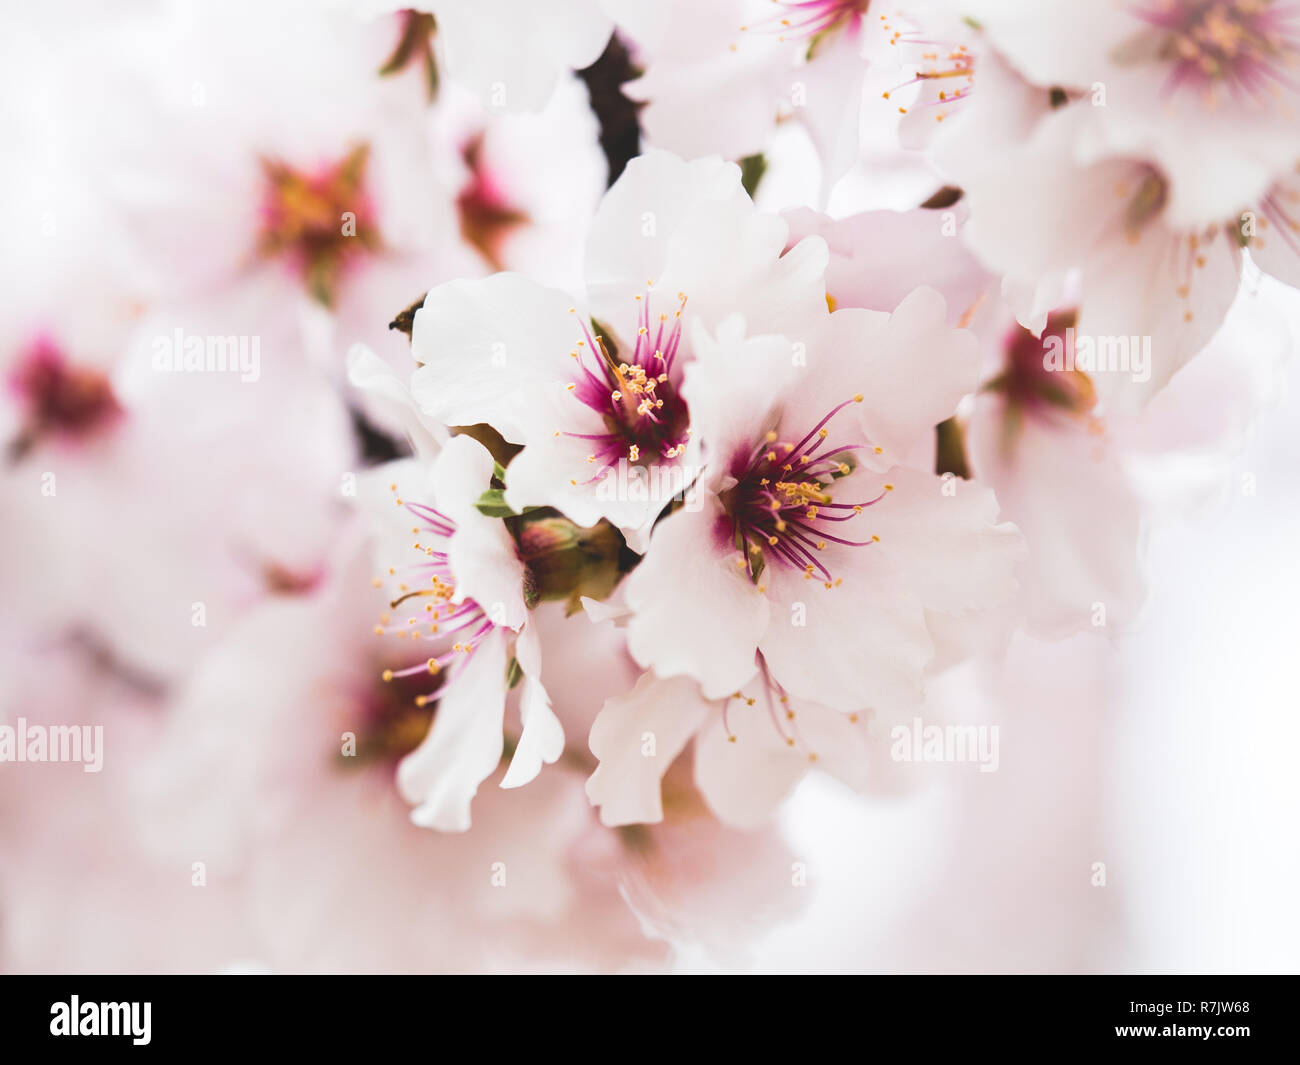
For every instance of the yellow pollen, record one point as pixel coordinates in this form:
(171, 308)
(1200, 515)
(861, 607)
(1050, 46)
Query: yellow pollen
(387, 675)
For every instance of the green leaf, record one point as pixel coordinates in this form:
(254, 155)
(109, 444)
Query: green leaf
(493, 504)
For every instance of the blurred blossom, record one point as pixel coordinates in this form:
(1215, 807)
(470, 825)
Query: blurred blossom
(616, 486)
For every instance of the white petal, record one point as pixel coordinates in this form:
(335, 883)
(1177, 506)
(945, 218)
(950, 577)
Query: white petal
(693, 612)
(745, 780)
(481, 552)
(512, 52)
(924, 250)
(464, 743)
(654, 196)
(859, 645)
(636, 737)
(486, 346)
(368, 372)
(942, 535)
(911, 373)
(732, 259)
(1077, 508)
(460, 474)
(734, 386)
(542, 738)
(833, 83)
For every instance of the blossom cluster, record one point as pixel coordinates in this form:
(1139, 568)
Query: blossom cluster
(474, 460)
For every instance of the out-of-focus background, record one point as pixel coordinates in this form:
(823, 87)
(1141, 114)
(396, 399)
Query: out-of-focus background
(1167, 754)
(181, 566)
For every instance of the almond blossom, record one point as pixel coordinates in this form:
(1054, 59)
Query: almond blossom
(1203, 90)
(759, 63)
(673, 243)
(464, 602)
(509, 71)
(806, 581)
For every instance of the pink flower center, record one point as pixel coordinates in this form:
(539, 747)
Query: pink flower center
(487, 217)
(59, 397)
(453, 629)
(638, 397)
(949, 67)
(1250, 46)
(811, 18)
(393, 718)
(1026, 383)
(782, 507)
(319, 223)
